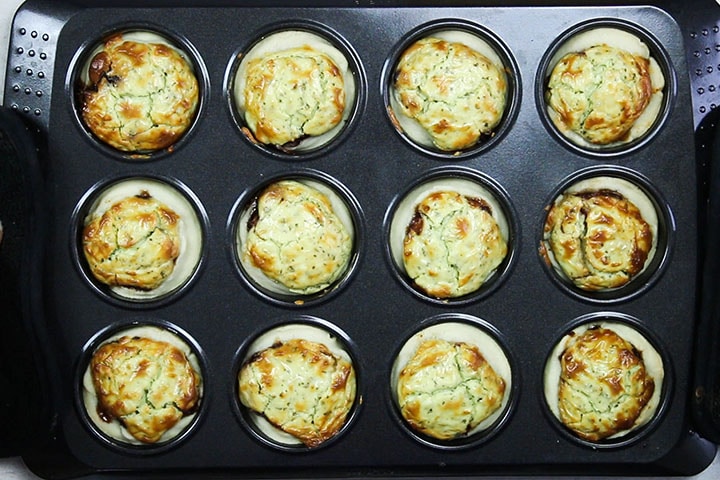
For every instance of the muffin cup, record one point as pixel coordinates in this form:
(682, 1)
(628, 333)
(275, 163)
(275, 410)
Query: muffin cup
(475, 37)
(345, 207)
(287, 35)
(79, 80)
(457, 327)
(656, 363)
(114, 434)
(193, 225)
(654, 210)
(466, 182)
(308, 328)
(631, 38)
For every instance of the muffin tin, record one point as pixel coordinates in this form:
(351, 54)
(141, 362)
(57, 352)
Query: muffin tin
(372, 309)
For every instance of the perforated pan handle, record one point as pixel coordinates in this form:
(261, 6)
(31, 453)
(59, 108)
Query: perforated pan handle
(31, 59)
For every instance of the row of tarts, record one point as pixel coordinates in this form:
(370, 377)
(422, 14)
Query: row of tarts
(297, 385)
(450, 238)
(449, 91)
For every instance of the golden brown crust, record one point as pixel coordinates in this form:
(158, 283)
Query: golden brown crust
(134, 244)
(599, 239)
(301, 387)
(448, 388)
(296, 238)
(454, 92)
(293, 94)
(453, 244)
(604, 385)
(147, 385)
(141, 96)
(600, 92)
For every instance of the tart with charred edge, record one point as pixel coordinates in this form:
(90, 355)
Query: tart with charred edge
(598, 238)
(140, 96)
(301, 387)
(604, 384)
(147, 385)
(453, 244)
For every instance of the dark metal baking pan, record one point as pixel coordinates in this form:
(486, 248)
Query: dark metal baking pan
(373, 309)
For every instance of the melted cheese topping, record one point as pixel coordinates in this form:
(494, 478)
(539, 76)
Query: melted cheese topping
(420, 387)
(296, 238)
(137, 253)
(295, 90)
(140, 93)
(300, 383)
(604, 380)
(133, 244)
(131, 363)
(452, 91)
(452, 244)
(293, 94)
(455, 273)
(447, 389)
(604, 88)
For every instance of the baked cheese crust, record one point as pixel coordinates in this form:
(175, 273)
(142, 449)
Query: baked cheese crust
(296, 238)
(598, 238)
(448, 388)
(141, 97)
(454, 92)
(135, 243)
(604, 385)
(300, 387)
(293, 94)
(452, 244)
(147, 385)
(599, 93)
